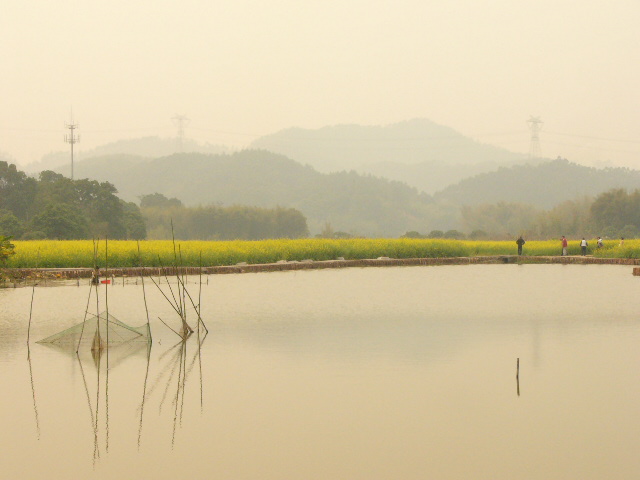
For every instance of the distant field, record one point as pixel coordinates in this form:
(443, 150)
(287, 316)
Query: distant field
(79, 253)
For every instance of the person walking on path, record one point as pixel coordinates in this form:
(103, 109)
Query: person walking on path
(583, 245)
(520, 242)
(565, 244)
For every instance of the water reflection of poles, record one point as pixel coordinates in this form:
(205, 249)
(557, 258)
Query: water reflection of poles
(33, 391)
(94, 422)
(96, 354)
(33, 388)
(200, 364)
(180, 367)
(144, 394)
(146, 375)
(178, 357)
(181, 377)
(163, 371)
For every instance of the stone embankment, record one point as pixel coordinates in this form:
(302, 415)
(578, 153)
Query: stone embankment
(74, 273)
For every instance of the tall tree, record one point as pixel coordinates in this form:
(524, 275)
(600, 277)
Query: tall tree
(17, 190)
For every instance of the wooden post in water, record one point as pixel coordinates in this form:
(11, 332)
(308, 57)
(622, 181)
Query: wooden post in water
(518, 375)
(33, 292)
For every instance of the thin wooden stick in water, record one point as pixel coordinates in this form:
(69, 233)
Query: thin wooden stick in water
(184, 288)
(175, 265)
(86, 310)
(200, 282)
(170, 328)
(164, 271)
(98, 302)
(33, 292)
(164, 295)
(200, 296)
(144, 295)
(106, 301)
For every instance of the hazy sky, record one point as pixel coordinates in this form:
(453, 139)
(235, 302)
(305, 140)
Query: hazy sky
(244, 68)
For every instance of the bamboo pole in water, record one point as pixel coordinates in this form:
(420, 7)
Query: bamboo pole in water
(518, 375)
(106, 302)
(94, 278)
(144, 295)
(33, 292)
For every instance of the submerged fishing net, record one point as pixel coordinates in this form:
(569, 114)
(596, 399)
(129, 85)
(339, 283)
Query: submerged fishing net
(102, 330)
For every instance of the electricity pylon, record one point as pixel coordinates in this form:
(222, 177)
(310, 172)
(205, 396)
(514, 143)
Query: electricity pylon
(535, 125)
(71, 139)
(181, 121)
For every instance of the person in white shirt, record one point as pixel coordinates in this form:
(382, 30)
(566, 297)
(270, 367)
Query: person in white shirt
(583, 246)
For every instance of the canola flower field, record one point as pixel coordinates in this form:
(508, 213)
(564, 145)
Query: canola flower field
(124, 253)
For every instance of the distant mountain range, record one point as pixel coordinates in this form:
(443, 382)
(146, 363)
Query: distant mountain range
(421, 152)
(350, 202)
(418, 152)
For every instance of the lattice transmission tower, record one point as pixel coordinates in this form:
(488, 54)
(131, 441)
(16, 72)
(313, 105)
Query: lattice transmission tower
(71, 138)
(180, 121)
(535, 125)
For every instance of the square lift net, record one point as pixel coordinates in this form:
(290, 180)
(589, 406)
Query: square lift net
(104, 329)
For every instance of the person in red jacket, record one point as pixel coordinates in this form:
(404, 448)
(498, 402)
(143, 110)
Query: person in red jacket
(565, 244)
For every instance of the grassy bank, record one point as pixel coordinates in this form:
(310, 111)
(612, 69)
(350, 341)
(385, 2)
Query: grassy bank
(79, 253)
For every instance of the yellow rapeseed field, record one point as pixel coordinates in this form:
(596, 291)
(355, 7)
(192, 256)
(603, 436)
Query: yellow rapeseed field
(123, 253)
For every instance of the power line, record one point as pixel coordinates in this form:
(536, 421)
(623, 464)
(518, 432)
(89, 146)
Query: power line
(591, 147)
(589, 137)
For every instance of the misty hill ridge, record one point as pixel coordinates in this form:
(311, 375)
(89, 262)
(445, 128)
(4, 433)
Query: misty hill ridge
(419, 152)
(350, 202)
(543, 185)
(345, 147)
(148, 147)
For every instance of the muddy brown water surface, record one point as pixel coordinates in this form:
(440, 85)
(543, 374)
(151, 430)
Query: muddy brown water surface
(362, 373)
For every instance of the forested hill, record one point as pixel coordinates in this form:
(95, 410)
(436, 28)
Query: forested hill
(350, 202)
(544, 185)
(418, 141)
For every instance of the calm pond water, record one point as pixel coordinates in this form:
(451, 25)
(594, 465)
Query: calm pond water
(375, 373)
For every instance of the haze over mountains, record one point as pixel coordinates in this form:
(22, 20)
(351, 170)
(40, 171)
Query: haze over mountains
(348, 201)
(372, 181)
(544, 185)
(419, 152)
(149, 147)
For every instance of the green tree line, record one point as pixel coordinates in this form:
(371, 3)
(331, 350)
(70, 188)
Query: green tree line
(56, 207)
(219, 223)
(612, 214)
